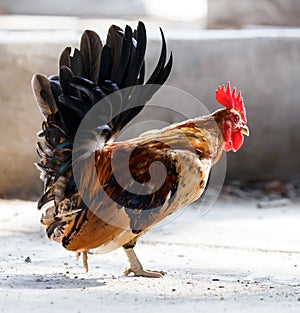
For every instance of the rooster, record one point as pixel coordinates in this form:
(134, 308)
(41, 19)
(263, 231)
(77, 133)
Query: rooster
(96, 209)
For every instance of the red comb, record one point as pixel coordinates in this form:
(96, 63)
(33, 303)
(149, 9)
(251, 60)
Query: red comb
(230, 100)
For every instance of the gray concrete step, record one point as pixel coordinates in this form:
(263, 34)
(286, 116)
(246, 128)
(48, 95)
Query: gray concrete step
(263, 63)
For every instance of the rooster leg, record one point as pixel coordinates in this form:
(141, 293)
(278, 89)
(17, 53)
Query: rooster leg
(136, 267)
(84, 259)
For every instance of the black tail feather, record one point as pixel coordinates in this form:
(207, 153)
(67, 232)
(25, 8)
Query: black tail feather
(65, 58)
(77, 64)
(91, 48)
(106, 64)
(161, 62)
(122, 63)
(84, 79)
(65, 77)
(137, 57)
(114, 40)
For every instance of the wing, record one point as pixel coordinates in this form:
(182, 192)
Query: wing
(135, 187)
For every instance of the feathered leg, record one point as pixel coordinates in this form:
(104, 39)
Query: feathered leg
(135, 265)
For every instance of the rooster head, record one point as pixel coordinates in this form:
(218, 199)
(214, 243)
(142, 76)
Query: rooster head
(234, 122)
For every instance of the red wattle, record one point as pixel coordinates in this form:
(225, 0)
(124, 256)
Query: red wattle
(228, 146)
(237, 141)
(227, 137)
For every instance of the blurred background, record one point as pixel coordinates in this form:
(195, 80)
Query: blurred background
(254, 44)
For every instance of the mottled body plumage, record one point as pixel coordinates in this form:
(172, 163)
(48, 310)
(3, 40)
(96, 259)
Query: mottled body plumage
(186, 151)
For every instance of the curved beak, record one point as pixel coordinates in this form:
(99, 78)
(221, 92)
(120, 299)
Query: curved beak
(245, 130)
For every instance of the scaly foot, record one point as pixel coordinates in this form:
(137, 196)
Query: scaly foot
(136, 267)
(139, 272)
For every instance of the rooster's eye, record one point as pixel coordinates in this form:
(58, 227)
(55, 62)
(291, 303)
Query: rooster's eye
(236, 118)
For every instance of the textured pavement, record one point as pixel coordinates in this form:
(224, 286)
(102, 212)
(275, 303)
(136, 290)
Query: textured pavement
(236, 257)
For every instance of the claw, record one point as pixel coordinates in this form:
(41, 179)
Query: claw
(144, 273)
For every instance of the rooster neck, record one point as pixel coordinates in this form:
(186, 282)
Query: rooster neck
(205, 136)
(201, 135)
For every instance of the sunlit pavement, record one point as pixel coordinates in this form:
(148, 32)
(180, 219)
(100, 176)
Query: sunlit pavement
(236, 257)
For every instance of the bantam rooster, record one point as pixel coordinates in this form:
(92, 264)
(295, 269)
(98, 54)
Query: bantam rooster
(96, 211)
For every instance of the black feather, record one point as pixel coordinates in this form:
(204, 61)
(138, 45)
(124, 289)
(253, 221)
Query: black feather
(77, 65)
(161, 62)
(105, 64)
(134, 99)
(64, 59)
(154, 87)
(124, 58)
(70, 118)
(138, 56)
(93, 91)
(76, 105)
(114, 40)
(90, 48)
(65, 77)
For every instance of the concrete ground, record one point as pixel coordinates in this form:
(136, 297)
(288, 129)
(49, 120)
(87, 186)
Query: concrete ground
(236, 257)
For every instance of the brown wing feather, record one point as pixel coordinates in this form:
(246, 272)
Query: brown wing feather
(116, 215)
